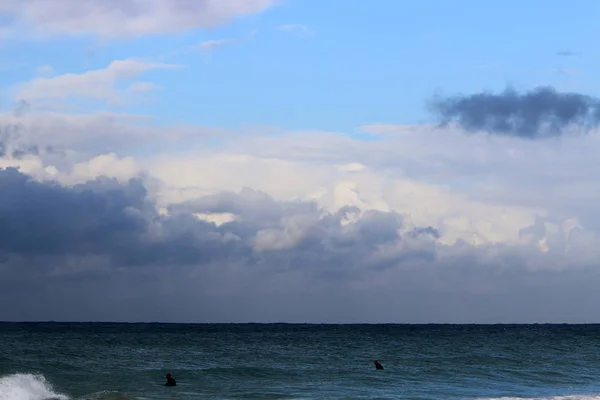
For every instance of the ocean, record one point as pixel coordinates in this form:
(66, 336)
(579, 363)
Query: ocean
(104, 361)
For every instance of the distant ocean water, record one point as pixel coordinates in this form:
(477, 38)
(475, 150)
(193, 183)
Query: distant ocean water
(287, 361)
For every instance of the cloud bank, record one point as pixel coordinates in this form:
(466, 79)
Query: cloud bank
(269, 228)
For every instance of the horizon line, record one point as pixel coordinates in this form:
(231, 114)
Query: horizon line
(300, 323)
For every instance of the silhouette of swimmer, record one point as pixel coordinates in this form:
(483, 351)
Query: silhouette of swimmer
(377, 365)
(170, 381)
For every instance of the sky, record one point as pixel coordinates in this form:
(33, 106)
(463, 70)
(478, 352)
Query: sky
(299, 161)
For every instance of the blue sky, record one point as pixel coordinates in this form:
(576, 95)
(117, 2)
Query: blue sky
(358, 64)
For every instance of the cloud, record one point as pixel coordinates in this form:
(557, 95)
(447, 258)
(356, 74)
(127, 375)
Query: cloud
(539, 113)
(117, 216)
(17, 152)
(424, 224)
(390, 129)
(206, 48)
(565, 71)
(297, 28)
(48, 219)
(210, 45)
(142, 87)
(566, 53)
(126, 18)
(100, 84)
(93, 134)
(276, 260)
(45, 70)
(111, 227)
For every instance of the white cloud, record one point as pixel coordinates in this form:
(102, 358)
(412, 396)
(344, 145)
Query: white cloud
(100, 84)
(216, 218)
(109, 165)
(473, 188)
(126, 18)
(387, 129)
(464, 186)
(123, 169)
(94, 133)
(297, 28)
(45, 70)
(453, 213)
(351, 167)
(210, 45)
(332, 185)
(143, 87)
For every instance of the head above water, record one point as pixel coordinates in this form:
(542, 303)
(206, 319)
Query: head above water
(169, 376)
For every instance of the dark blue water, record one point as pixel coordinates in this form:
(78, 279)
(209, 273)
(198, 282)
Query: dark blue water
(285, 361)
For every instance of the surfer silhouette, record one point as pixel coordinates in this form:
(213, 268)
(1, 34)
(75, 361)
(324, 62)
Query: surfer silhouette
(170, 381)
(377, 365)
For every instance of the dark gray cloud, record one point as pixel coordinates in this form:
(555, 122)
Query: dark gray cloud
(41, 218)
(17, 152)
(12, 145)
(101, 251)
(98, 218)
(94, 233)
(542, 112)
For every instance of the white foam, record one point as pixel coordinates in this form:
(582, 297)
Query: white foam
(27, 387)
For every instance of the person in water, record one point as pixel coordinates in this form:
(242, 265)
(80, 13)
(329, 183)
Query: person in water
(377, 365)
(170, 381)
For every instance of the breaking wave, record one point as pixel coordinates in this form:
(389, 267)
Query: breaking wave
(27, 387)
(23, 386)
(36, 387)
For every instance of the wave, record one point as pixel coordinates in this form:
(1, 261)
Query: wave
(106, 395)
(27, 387)
(36, 387)
(24, 386)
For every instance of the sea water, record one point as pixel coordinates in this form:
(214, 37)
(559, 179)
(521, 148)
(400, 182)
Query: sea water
(287, 361)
